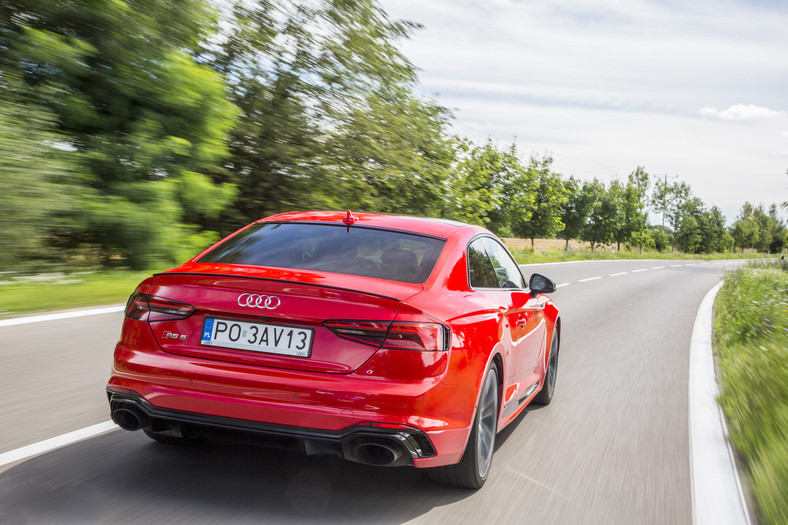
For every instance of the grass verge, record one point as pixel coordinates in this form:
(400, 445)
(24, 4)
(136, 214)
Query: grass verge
(65, 291)
(751, 336)
(527, 256)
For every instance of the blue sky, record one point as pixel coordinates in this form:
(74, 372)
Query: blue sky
(696, 89)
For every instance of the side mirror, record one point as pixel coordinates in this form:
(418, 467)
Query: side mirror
(538, 283)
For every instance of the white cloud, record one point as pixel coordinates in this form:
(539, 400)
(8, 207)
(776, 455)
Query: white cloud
(608, 85)
(740, 112)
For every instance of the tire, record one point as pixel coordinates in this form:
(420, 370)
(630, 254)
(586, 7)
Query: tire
(170, 440)
(546, 394)
(474, 467)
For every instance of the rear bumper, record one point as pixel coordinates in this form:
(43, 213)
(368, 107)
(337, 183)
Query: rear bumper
(356, 443)
(314, 412)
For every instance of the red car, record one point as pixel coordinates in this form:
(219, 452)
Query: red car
(385, 340)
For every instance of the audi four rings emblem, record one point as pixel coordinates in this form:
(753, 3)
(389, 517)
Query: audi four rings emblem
(253, 300)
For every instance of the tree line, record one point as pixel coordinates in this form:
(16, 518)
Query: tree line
(134, 133)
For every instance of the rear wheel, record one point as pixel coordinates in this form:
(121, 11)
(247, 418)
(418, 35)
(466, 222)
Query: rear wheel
(472, 470)
(546, 394)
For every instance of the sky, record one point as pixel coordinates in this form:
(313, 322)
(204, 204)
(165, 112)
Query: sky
(696, 91)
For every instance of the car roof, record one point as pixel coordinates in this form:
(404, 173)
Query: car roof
(423, 225)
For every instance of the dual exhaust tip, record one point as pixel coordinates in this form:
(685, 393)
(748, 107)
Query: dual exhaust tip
(375, 451)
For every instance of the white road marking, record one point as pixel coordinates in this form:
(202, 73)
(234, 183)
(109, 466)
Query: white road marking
(562, 285)
(48, 445)
(589, 279)
(617, 274)
(675, 265)
(657, 267)
(690, 264)
(61, 315)
(640, 270)
(717, 497)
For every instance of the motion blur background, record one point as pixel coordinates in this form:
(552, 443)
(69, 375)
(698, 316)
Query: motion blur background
(135, 133)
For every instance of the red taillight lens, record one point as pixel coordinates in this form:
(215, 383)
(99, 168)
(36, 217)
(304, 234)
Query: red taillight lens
(144, 307)
(368, 333)
(416, 336)
(396, 335)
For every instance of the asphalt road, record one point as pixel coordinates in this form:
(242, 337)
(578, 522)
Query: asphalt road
(613, 447)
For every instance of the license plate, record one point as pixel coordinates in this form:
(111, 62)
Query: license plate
(257, 337)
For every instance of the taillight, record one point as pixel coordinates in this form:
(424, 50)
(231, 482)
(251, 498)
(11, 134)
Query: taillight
(396, 335)
(417, 336)
(144, 307)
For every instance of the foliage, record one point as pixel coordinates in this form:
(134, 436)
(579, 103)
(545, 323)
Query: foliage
(632, 229)
(34, 183)
(601, 215)
(549, 199)
(489, 187)
(136, 111)
(574, 212)
(751, 335)
(757, 229)
(329, 116)
(134, 133)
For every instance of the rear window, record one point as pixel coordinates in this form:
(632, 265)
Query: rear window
(385, 254)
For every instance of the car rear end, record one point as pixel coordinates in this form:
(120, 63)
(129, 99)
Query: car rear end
(298, 334)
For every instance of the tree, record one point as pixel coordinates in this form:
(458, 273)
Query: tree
(755, 228)
(35, 186)
(329, 115)
(575, 210)
(138, 111)
(598, 229)
(779, 231)
(745, 229)
(489, 187)
(549, 198)
(678, 194)
(634, 207)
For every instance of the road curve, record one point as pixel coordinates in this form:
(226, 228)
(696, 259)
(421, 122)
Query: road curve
(611, 448)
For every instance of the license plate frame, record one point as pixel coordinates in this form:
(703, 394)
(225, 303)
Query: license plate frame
(290, 341)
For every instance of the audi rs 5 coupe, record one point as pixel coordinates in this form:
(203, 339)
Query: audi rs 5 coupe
(385, 340)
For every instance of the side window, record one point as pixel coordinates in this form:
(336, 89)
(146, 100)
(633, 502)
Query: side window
(481, 272)
(506, 271)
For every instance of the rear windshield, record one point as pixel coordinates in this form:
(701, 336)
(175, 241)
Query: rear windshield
(385, 254)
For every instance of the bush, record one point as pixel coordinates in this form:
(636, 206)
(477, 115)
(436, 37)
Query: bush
(751, 334)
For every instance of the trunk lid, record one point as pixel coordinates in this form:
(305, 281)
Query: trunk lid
(273, 317)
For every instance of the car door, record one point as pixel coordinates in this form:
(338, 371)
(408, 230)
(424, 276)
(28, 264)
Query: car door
(525, 319)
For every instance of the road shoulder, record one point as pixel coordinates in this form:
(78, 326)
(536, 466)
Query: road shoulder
(717, 496)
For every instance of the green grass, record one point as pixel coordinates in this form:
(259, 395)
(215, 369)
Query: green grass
(19, 295)
(526, 256)
(751, 336)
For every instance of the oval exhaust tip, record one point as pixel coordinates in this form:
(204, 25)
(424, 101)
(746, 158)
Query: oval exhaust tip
(128, 418)
(378, 454)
